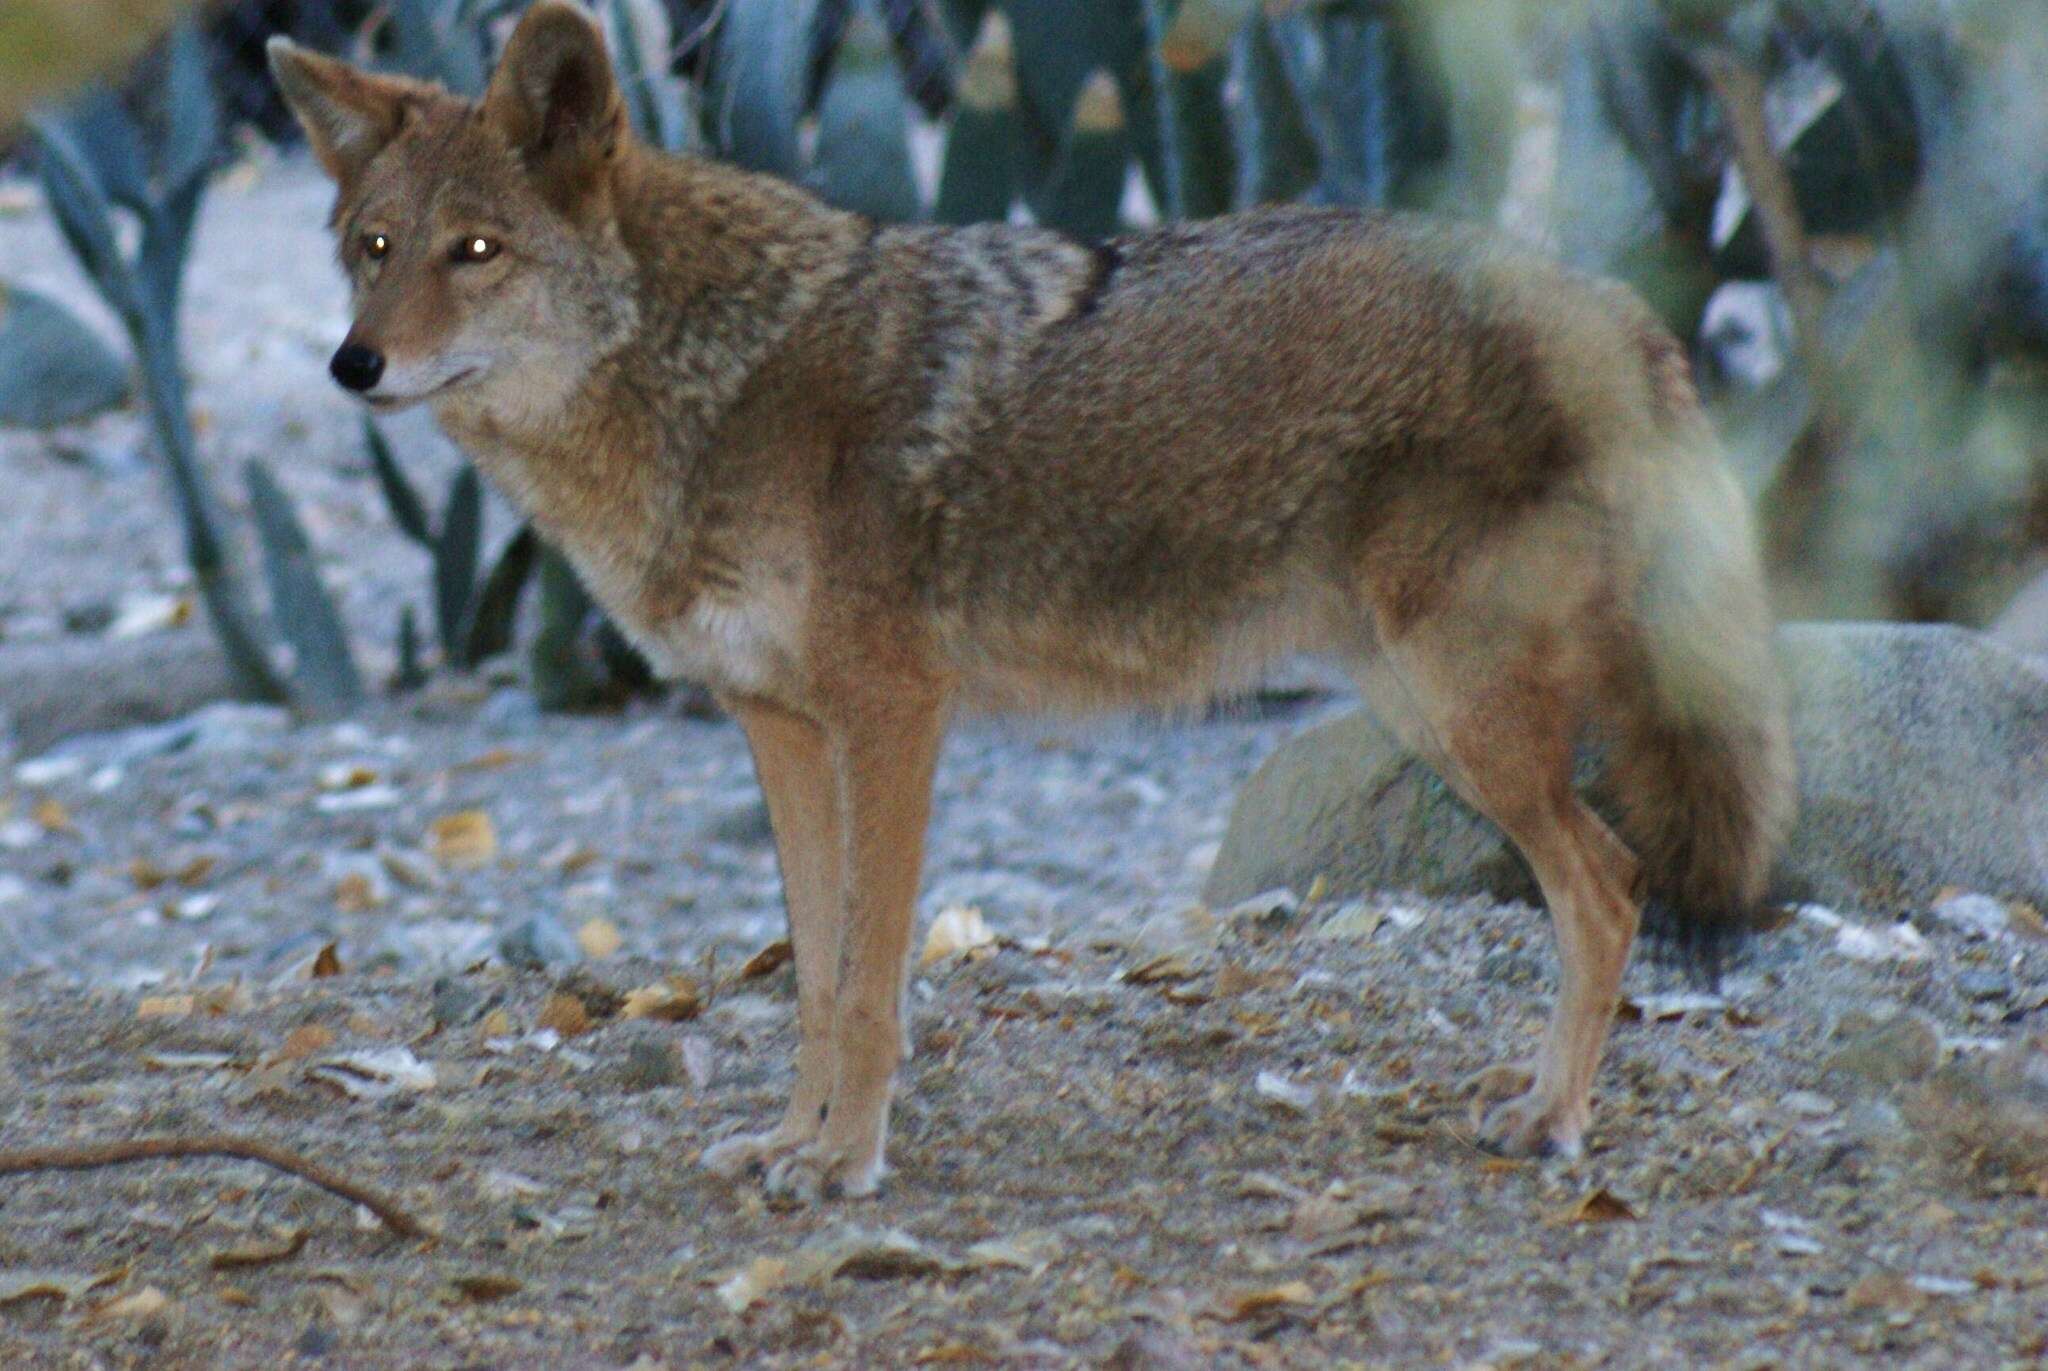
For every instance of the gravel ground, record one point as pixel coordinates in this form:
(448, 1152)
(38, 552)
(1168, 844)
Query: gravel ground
(410, 945)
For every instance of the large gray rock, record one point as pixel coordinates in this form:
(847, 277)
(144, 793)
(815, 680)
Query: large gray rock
(1923, 761)
(56, 689)
(2023, 626)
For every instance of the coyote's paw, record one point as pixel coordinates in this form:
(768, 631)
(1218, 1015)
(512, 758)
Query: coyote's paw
(749, 1153)
(1514, 1120)
(820, 1172)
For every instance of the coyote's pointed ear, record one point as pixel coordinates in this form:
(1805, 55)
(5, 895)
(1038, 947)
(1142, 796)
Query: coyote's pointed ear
(554, 99)
(349, 115)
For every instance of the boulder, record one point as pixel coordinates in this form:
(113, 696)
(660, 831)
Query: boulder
(58, 688)
(2023, 626)
(1923, 761)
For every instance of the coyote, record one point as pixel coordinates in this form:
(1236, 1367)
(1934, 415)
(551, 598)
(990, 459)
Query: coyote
(856, 477)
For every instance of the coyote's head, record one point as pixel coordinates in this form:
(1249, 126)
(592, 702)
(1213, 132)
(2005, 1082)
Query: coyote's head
(479, 236)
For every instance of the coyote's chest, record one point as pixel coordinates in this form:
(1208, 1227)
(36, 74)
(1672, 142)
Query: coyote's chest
(743, 646)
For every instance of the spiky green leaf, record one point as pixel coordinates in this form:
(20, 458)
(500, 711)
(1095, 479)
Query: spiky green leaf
(53, 369)
(408, 511)
(562, 679)
(862, 160)
(457, 549)
(84, 216)
(755, 99)
(497, 603)
(323, 668)
(191, 123)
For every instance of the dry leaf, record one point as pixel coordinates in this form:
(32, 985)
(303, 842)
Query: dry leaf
(952, 1354)
(768, 960)
(347, 776)
(356, 893)
(743, 1290)
(958, 931)
(165, 1006)
(565, 1014)
(376, 1074)
(868, 1254)
(464, 839)
(599, 938)
(1883, 1290)
(326, 962)
(496, 1024)
(1599, 1205)
(1232, 980)
(54, 817)
(495, 759)
(1282, 1093)
(1252, 1303)
(260, 1251)
(673, 999)
(146, 874)
(140, 1304)
(1165, 969)
(305, 1040)
(486, 1287)
(17, 1286)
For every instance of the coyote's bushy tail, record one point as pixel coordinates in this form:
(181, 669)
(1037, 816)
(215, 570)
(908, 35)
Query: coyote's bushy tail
(1701, 761)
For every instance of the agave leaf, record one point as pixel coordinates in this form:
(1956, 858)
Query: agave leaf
(111, 142)
(1058, 46)
(411, 675)
(456, 551)
(756, 95)
(926, 54)
(497, 603)
(1276, 158)
(84, 216)
(400, 495)
(976, 180)
(821, 48)
(191, 112)
(561, 678)
(1086, 197)
(299, 605)
(964, 18)
(656, 102)
(863, 153)
(53, 369)
(431, 41)
(166, 241)
(1196, 161)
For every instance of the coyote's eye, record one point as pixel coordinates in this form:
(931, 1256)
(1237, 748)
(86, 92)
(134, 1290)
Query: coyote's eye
(375, 245)
(476, 248)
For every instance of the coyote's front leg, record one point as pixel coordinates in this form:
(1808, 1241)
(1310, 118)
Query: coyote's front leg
(793, 759)
(885, 751)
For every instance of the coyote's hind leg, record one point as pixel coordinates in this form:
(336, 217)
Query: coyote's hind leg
(1496, 716)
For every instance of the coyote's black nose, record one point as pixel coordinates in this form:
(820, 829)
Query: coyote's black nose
(356, 367)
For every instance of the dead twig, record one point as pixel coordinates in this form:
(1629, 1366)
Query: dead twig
(86, 1157)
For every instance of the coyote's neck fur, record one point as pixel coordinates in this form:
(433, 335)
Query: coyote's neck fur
(620, 465)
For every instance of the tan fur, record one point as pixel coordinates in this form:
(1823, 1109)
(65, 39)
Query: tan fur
(859, 477)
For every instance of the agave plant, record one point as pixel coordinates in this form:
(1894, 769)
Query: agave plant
(97, 158)
(474, 618)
